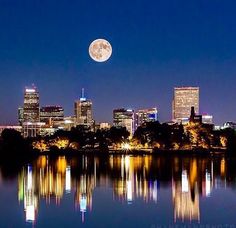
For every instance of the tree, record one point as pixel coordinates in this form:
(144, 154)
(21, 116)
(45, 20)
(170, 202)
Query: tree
(12, 140)
(162, 136)
(118, 134)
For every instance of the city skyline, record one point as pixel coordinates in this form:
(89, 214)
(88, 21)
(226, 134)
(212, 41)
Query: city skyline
(182, 96)
(117, 113)
(156, 46)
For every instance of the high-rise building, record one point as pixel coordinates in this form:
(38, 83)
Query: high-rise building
(49, 114)
(83, 111)
(31, 105)
(20, 115)
(184, 99)
(124, 118)
(145, 115)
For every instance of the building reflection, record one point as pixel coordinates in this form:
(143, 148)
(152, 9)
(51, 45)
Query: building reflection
(83, 194)
(132, 181)
(28, 194)
(185, 199)
(130, 177)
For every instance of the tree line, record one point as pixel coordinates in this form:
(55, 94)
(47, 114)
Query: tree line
(152, 134)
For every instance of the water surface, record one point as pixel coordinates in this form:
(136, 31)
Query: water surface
(119, 191)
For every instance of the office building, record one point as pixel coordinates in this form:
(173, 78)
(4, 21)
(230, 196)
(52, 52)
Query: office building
(184, 99)
(124, 118)
(145, 115)
(207, 119)
(83, 111)
(66, 124)
(49, 114)
(20, 115)
(31, 105)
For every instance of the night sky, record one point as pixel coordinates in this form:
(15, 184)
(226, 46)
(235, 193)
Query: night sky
(157, 45)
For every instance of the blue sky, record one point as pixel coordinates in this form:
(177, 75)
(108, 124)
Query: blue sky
(157, 45)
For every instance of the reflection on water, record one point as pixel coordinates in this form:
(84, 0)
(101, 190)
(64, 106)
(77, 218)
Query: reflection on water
(130, 177)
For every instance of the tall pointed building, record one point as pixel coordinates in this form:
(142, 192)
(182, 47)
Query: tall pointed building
(83, 111)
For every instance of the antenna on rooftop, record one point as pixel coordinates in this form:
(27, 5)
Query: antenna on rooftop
(82, 93)
(82, 98)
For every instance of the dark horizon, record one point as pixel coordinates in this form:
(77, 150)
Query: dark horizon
(156, 47)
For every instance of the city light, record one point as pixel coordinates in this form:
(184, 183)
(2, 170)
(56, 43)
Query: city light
(126, 146)
(30, 90)
(185, 185)
(137, 131)
(68, 179)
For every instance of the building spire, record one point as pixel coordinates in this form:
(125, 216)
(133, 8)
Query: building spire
(82, 93)
(82, 98)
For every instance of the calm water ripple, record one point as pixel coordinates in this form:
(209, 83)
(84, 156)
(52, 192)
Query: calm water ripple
(119, 191)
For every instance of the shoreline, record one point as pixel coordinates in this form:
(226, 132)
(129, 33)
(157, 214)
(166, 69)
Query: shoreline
(66, 152)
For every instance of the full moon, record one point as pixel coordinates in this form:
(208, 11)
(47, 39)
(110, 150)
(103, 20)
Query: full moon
(100, 50)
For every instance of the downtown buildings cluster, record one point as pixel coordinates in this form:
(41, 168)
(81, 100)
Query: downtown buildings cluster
(35, 120)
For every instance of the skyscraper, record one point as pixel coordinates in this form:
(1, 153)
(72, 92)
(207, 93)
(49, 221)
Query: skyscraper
(124, 118)
(184, 99)
(83, 111)
(20, 115)
(31, 105)
(145, 115)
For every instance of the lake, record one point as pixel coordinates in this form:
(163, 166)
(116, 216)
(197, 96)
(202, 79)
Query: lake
(119, 191)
